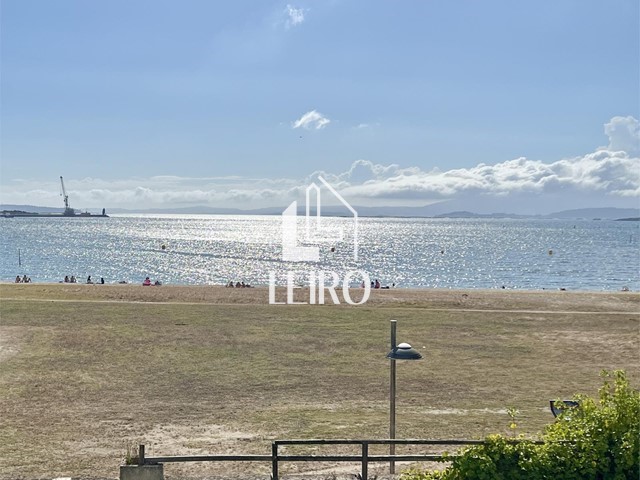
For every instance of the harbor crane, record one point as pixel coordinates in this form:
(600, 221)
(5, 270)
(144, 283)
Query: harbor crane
(68, 211)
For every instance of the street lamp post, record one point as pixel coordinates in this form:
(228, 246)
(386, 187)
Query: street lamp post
(398, 352)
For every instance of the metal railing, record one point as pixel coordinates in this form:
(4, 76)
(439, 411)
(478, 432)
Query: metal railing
(364, 458)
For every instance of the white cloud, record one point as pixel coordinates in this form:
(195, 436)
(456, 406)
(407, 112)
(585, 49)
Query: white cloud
(366, 126)
(312, 120)
(624, 134)
(294, 16)
(611, 173)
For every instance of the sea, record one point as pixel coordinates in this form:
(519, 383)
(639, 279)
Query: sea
(531, 254)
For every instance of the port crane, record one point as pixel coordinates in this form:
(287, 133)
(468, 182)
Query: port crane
(68, 211)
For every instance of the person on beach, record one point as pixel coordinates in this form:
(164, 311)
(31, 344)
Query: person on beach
(89, 281)
(25, 279)
(377, 285)
(101, 280)
(18, 279)
(66, 279)
(73, 279)
(146, 282)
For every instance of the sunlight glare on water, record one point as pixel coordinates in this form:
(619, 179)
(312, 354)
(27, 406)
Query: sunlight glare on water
(440, 253)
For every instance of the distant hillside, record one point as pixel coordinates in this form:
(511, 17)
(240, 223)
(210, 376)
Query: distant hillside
(465, 214)
(609, 213)
(198, 210)
(31, 208)
(329, 210)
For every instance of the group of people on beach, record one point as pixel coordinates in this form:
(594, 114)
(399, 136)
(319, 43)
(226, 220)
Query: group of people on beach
(73, 279)
(376, 284)
(238, 285)
(24, 279)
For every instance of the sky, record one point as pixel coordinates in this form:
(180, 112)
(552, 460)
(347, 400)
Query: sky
(492, 106)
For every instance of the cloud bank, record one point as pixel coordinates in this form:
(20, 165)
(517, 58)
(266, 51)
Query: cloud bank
(613, 171)
(609, 176)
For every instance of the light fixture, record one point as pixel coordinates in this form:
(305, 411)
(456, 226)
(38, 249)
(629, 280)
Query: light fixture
(403, 351)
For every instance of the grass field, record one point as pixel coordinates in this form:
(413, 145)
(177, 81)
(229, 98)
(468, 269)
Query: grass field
(84, 370)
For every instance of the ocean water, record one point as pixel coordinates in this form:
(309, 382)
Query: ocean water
(418, 253)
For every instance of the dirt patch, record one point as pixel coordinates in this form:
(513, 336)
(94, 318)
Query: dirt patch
(173, 439)
(10, 339)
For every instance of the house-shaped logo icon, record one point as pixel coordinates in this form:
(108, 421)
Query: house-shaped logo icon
(292, 251)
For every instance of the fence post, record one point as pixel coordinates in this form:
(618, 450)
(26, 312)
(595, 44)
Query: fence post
(140, 455)
(274, 461)
(365, 460)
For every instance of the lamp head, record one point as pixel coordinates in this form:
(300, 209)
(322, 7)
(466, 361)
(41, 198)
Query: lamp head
(404, 351)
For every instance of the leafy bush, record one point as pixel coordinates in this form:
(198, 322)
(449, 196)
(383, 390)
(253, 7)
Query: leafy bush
(599, 440)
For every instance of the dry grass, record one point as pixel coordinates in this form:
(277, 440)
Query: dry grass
(86, 369)
(468, 299)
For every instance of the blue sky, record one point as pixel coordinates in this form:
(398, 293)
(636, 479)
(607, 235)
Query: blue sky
(171, 103)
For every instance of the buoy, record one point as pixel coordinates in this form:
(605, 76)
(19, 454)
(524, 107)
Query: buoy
(164, 247)
(550, 252)
(333, 249)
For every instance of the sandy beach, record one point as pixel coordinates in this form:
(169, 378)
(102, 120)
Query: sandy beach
(427, 298)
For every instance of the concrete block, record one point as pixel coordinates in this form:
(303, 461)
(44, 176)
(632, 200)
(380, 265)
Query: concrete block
(144, 472)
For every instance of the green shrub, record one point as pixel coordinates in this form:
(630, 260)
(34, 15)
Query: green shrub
(131, 455)
(599, 440)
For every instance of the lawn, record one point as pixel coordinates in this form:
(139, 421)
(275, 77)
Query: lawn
(85, 371)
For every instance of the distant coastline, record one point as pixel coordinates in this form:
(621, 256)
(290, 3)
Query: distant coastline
(598, 213)
(22, 213)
